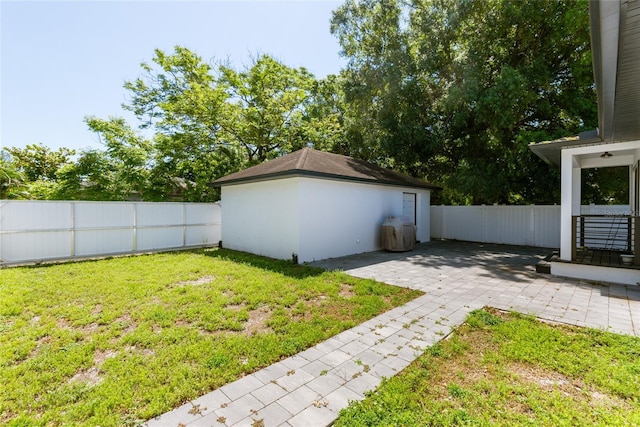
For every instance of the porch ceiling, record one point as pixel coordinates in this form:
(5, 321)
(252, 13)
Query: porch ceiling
(593, 158)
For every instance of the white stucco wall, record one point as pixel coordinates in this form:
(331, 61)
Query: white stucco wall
(262, 217)
(314, 218)
(342, 218)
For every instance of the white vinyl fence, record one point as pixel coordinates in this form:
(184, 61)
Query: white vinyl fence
(611, 210)
(513, 225)
(43, 230)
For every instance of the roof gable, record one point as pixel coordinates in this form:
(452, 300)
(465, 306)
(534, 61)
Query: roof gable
(320, 164)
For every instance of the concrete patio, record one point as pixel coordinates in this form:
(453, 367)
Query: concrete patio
(310, 388)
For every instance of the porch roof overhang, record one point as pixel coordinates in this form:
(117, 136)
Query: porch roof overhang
(551, 151)
(615, 48)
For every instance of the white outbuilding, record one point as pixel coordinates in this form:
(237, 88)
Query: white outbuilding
(311, 205)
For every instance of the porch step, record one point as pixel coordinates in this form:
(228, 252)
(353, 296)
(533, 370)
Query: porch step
(544, 266)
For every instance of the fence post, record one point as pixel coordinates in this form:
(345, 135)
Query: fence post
(443, 228)
(135, 227)
(532, 227)
(72, 249)
(483, 223)
(184, 225)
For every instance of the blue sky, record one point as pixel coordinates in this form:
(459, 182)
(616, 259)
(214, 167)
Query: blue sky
(61, 61)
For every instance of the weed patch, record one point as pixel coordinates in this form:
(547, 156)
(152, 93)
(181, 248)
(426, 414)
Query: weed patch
(506, 369)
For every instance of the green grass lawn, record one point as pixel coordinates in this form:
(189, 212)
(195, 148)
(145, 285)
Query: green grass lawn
(116, 341)
(510, 370)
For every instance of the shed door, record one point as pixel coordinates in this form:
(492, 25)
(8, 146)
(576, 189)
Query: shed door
(409, 206)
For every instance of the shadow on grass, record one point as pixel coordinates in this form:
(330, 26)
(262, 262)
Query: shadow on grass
(286, 268)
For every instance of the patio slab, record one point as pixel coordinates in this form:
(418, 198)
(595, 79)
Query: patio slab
(310, 388)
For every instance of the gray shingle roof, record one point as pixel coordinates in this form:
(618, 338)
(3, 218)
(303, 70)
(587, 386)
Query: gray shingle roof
(320, 164)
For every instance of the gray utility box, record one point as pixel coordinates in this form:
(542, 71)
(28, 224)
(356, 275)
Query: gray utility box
(398, 235)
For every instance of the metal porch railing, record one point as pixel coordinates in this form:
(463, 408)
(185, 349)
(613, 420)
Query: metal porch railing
(612, 233)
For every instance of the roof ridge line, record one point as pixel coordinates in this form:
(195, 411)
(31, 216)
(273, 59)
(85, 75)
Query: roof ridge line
(303, 158)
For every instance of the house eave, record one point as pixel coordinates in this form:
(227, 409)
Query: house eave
(551, 151)
(320, 175)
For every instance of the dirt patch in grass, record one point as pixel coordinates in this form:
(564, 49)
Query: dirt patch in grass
(135, 350)
(182, 323)
(316, 301)
(63, 324)
(101, 355)
(346, 291)
(127, 324)
(86, 329)
(569, 387)
(201, 281)
(89, 329)
(89, 376)
(257, 323)
(543, 377)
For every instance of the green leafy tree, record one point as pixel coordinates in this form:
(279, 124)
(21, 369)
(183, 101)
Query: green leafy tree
(92, 177)
(38, 162)
(605, 186)
(211, 121)
(322, 120)
(36, 166)
(127, 154)
(11, 179)
(121, 171)
(372, 39)
(179, 98)
(455, 90)
(265, 111)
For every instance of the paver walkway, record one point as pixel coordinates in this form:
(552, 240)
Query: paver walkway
(310, 388)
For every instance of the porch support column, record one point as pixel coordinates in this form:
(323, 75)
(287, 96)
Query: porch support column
(632, 189)
(570, 201)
